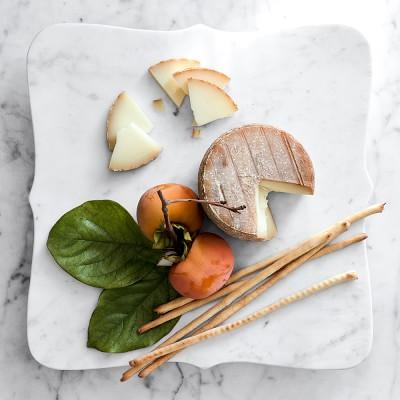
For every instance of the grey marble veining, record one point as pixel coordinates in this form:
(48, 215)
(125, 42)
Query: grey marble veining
(22, 378)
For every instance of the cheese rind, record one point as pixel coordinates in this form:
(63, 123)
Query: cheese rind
(123, 111)
(205, 74)
(241, 167)
(209, 102)
(133, 149)
(163, 74)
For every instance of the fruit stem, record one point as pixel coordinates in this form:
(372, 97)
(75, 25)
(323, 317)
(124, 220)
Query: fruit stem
(168, 226)
(211, 203)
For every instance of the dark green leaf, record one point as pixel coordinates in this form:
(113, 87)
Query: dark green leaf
(100, 244)
(120, 312)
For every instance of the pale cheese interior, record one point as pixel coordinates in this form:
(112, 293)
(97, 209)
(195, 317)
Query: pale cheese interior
(133, 148)
(163, 74)
(266, 227)
(209, 102)
(204, 74)
(125, 111)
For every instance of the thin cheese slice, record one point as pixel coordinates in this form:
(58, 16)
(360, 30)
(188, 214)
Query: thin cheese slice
(124, 111)
(163, 73)
(204, 74)
(133, 149)
(209, 102)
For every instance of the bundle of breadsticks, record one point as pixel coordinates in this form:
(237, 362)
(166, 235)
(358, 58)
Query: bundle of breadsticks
(242, 288)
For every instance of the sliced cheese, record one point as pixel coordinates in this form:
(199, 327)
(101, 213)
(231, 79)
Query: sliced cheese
(205, 74)
(133, 148)
(163, 73)
(124, 111)
(209, 102)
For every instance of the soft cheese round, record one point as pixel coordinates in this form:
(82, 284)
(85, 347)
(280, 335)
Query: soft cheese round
(241, 167)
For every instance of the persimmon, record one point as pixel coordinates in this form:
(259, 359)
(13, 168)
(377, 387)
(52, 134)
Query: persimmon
(150, 215)
(206, 268)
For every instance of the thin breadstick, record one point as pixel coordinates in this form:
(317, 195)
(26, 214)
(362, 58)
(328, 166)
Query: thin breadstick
(188, 307)
(146, 371)
(230, 310)
(284, 301)
(157, 363)
(246, 285)
(182, 301)
(171, 305)
(336, 231)
(340, 245)
(230, 288)
(366, 212)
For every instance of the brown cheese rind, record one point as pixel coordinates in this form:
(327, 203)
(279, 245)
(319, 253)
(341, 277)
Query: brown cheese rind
(236, 163)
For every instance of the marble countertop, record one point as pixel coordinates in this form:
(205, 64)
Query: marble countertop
(21, 377)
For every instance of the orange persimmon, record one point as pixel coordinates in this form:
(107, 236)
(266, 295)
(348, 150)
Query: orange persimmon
(206, 268)
(149, 213)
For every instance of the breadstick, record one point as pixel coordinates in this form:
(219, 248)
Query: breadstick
(285, 301)
(233, 286)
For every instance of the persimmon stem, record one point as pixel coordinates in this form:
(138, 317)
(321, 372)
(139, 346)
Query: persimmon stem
(211, 203)
(168, 226)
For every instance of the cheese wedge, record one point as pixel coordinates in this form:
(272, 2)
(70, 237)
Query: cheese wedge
(242, 167)
(124, 111)
(163, 73)
(133, 148)
(209, 102)
(204, 74)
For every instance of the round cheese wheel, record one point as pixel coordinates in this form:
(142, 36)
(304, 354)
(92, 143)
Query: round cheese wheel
(241, 167)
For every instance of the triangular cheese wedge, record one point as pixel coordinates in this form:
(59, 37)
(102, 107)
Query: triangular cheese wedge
(124, 111)
(133, 149)
(209, 102)
(205, 74)
(163, 73)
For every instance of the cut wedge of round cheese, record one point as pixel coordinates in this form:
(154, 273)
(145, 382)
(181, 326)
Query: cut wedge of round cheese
(205, 74)
(241, 167)
(133, 148)
(209, 102)
(163, 74)
(122, 112)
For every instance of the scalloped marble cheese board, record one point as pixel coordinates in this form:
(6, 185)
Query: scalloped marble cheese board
(313, 82)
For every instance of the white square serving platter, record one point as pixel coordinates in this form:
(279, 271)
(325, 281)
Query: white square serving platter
(312, 82)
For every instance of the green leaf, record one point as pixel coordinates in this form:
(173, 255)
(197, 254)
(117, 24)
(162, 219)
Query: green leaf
(120, 312)
(100, 244)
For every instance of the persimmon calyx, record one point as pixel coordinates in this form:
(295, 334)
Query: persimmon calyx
(174, 251)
